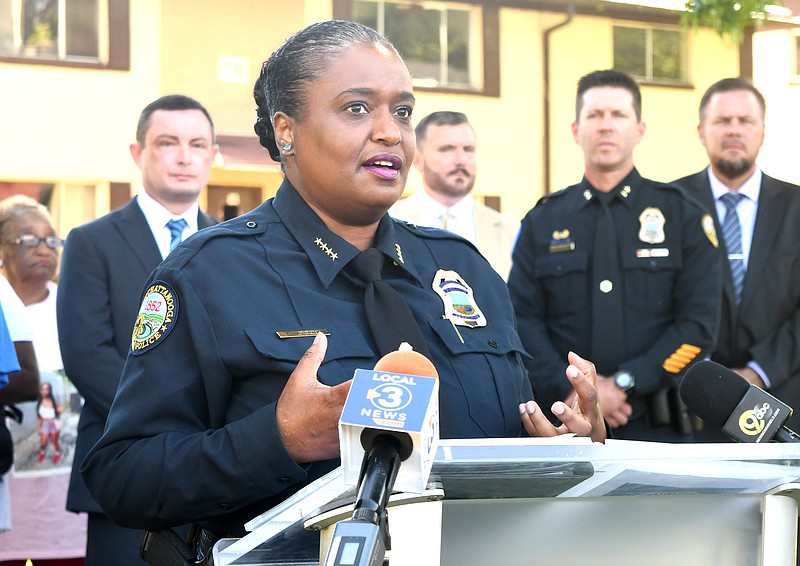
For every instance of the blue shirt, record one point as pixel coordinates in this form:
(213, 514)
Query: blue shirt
(8, 354)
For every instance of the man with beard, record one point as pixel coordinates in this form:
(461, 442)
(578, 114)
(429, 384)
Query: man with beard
(445, 158)
(758, 220)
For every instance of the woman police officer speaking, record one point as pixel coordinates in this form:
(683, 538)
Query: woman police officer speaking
(250, 330)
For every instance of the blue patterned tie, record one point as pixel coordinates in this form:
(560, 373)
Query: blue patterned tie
(176, 228)
(732, 234)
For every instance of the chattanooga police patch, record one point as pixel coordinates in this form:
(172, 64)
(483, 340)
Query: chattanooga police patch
(156, 317)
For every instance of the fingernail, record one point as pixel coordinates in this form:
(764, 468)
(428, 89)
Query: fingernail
(522, 409)
(317, 338)
(530, 406)
(572, 371)
(558, 409)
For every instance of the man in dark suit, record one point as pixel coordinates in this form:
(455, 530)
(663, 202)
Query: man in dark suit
(104, 268)
(760, 324)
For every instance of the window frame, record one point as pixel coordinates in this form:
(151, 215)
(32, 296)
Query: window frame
(490, 17)
(794, 57)
(684, 81)
(118, 44)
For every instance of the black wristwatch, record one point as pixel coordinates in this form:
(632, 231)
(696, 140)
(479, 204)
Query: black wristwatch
(624, 380)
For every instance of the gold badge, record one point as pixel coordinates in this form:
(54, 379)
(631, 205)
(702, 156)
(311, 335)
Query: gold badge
(710, 230)
(459, 302)
(561, 242)
(651, 222)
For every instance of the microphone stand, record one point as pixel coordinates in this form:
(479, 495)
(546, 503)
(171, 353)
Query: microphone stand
(364, 539)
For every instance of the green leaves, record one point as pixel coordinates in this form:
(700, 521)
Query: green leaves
(726, 17)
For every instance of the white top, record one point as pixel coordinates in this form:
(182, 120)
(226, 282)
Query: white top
(45, 331)
(461, 218)
(157, 217)
(20, 327)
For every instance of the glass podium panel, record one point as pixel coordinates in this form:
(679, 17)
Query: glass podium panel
(513, 474)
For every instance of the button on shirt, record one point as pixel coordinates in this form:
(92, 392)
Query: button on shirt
(157, 217)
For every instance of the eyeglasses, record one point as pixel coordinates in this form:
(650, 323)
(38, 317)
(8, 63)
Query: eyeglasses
(33, 241)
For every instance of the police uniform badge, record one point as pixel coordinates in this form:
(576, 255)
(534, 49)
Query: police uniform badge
(561, 242)
(459, 302)
(710, 230)
(651, 226)
(156, 318)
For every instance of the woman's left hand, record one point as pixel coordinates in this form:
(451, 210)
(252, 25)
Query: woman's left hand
(583, 417)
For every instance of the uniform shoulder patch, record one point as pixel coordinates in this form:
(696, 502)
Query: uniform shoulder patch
(156, 319)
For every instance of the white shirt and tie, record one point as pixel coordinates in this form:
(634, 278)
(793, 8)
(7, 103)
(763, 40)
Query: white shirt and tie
(459, 218)
(746, 210)
(162, 223)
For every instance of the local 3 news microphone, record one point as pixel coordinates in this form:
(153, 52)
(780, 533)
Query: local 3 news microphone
(391, 415)
(744, 411)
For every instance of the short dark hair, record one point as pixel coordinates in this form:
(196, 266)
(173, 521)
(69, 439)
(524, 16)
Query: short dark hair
(441, 118)
(731, 85)
(613, 78)
(168, 102)
(286, 76)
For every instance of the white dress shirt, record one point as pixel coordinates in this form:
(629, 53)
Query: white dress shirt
(157, 217)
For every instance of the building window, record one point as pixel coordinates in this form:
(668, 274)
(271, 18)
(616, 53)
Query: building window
(443, 44)
(651, 55)
(80, 32)
(795, 57)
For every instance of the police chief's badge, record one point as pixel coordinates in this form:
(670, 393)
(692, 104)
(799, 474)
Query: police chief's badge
(459, 302)
(651, 226)
(156, 317)
(710, 230)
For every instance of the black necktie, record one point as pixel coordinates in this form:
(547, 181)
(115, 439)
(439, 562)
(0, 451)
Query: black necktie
(608, 343)
(390, 319)
(392, 322)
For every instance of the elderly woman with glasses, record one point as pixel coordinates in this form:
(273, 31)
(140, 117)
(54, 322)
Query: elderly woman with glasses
(29, 250)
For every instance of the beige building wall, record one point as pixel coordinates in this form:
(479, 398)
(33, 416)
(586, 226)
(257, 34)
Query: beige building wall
(75, 125)
(775, 76)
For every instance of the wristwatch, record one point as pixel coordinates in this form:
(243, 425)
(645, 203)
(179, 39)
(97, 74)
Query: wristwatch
(624, 380)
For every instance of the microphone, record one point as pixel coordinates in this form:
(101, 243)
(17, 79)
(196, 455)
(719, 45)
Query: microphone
(390, 416)
(398, 398)
(745, 412)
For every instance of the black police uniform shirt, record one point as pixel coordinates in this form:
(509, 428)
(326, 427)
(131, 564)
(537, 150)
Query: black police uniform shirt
(670, 289)
(192, 434)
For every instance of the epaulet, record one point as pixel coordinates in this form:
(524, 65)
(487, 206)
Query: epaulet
(557, 194)
(426, 232)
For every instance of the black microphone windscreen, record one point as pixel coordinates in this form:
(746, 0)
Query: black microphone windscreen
(712, 391)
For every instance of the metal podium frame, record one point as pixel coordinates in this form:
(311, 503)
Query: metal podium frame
(547, 501)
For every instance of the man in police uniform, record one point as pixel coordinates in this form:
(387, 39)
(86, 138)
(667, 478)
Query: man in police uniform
(620, 269)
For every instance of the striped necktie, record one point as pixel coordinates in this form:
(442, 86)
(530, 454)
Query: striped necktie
(732, 234)
(176, 228)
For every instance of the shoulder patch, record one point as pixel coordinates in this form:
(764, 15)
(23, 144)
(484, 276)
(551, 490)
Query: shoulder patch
(156, 319)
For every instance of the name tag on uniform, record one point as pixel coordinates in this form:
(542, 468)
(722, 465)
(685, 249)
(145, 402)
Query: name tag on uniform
(652, 252)
(300, 333)
(561, 242)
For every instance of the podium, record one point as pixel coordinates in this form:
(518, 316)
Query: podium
(553, 501)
